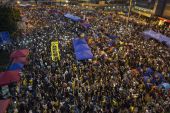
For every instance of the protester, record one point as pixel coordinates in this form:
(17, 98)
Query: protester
(112, 82)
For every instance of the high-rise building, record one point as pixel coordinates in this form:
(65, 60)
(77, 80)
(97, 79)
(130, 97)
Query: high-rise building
(160, 8)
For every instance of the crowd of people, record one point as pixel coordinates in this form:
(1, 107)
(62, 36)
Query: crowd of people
(111, 82)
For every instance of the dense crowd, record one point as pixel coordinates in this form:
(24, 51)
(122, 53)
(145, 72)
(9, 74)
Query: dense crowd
(111, 82)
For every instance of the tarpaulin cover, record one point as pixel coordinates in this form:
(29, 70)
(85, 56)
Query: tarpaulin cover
(4, 105)
(16, 66)
(149, 72)
(78, 41)
(158, 36)
(82, 50)
(72, 17)
(111, 36)
(20, 53)
(22, 60)
(81, 47)
(9, 77)
(4, 37)
(84, 55)
(165, 85)
(86, 25)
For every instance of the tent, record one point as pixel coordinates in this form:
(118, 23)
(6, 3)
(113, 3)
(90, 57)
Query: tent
(4, 37)
(16, 66)
(20, 53)
(158, 36)
(84, 55)
(81, 47)
(166, 86)
(4, 105)
(72, 17)
(9, 77)
(22, 60)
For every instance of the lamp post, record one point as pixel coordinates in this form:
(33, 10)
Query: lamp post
(130, 5)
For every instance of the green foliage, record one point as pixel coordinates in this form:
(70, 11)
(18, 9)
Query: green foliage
(8, 19)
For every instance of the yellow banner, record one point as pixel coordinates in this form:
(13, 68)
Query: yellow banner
(55, 52)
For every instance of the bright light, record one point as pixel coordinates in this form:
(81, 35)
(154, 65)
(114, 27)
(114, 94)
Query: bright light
(18, 2)
(67, 1)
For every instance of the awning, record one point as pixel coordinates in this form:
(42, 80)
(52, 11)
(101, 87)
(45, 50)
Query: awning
(4, 105)
(20, 53)
(9, 77)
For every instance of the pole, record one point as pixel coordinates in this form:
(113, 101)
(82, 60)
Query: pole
(130, 5)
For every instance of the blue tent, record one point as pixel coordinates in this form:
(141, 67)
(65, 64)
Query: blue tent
(81, 47)
(16, 66)
(84, 55)
(166, 86)
(72, 17)
(4, 37)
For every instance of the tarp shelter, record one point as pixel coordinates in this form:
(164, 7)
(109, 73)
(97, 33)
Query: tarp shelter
(81, 47)
(166, 86)
(9, 77)
(157, 36)
(72, 17)
(4, 105)
(20, 53)
(22, 60)
(84, 55)
(4, 37)
(16, 66)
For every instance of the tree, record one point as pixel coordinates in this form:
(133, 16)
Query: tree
(8, 19)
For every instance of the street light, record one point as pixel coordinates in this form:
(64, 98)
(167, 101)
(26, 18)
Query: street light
(18, 2)
(130, 5)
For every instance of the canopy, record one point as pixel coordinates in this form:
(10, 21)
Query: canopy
(84, 55)
(4, 105)
(158, 36)
(16, 66)
(20, 53)
(165, 85)
(9, 77)
(22, 60)
(72, 17)
(4, 37)
(81, 47)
